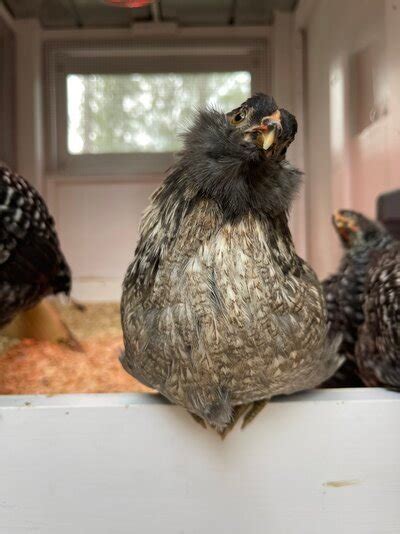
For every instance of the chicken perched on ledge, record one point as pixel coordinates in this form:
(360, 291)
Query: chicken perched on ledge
(219, 314)
(32, 265)
(361, 239)
(378, 347)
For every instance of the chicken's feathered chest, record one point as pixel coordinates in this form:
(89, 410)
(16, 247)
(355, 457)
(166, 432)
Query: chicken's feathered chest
(230, 299)
(230, 259)
(227, 273)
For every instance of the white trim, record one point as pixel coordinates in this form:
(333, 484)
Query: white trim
(124, 400)
(317, 462)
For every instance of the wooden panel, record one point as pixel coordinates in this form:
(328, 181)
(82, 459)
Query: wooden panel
(321, 462)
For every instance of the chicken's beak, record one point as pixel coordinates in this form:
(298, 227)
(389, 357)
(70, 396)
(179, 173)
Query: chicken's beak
(270, 126)
(338, 219)
(344, 225)
(268, 130)
(343, 221)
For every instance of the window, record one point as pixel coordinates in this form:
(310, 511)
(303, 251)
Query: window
(133, 113)
(118, 108)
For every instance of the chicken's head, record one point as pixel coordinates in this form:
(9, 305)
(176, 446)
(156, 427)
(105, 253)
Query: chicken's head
(262, 123)
(354, 229)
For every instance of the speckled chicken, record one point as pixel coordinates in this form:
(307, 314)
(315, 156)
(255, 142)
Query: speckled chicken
(378, 346)
(219, 313)
(344, 291)
(32, 265)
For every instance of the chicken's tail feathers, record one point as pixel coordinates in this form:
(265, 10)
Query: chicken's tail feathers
(214, 407)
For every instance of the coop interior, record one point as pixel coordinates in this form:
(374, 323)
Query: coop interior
(94, 97)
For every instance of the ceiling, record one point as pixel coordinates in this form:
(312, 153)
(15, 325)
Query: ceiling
(94, 13)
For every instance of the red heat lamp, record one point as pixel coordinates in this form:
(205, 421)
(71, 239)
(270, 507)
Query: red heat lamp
(129, 3)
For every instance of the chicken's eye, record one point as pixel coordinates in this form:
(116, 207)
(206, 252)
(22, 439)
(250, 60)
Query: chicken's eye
(239, 117)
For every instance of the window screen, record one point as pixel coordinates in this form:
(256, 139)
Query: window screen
(118, 107)
(122, 113)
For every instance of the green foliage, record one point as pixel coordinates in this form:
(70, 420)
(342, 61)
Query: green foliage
(143, 112)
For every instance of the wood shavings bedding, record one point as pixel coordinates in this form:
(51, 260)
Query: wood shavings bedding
(32, 367)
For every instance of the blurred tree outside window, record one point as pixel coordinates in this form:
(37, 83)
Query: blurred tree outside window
(136, 113)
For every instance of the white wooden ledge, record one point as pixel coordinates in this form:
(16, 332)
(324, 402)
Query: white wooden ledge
(321, 462)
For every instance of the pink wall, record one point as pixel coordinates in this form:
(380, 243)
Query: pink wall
(353, 143)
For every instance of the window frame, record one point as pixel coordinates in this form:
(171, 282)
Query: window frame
(133, 57)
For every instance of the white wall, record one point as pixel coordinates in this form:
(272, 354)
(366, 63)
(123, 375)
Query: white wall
(323, 462)
(347, 168)
(98, 223)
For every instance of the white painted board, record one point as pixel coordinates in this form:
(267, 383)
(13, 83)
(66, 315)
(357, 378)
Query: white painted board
(320, 462)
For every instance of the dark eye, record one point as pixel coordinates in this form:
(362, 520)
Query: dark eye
(239, 117)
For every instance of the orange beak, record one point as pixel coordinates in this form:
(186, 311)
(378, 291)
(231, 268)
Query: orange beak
(344, 225)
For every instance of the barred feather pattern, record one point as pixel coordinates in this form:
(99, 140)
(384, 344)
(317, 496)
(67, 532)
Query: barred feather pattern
(347, 374)
(31, 262)
(217, 308)
(378, 346)
(344, 292)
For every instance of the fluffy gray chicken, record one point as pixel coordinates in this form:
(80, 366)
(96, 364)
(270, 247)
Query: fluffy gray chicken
(344, 291)
(219, 313)
(378, 346)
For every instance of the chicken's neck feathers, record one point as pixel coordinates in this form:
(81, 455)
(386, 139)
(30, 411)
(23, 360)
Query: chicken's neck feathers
(216, 163)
